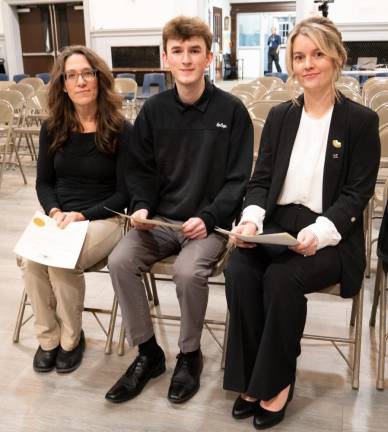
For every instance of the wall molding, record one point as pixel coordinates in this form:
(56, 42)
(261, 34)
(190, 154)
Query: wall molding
(365, 31)
(111, 33)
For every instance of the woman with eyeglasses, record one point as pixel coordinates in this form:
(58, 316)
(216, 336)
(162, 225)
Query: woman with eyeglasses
(80, 171)
(316, 171)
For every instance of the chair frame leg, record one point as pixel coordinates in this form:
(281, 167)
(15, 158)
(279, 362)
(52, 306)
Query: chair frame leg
(376, 294)
(19, 319)
(357, 340)
(382, 331)
(369, 213)
(112, 322)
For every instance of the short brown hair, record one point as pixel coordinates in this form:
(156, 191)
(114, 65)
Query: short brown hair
(325, 36)
(183, 28)
(63, 118)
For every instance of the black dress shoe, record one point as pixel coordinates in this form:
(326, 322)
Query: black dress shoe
(264, 419)
(44, 361)
(186, 378)
(243, 409)
(68, 361)
(136, 377)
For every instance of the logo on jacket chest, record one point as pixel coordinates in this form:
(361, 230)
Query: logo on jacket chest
(221, 125)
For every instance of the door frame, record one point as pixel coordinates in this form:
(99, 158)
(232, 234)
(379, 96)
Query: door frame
(12, 44)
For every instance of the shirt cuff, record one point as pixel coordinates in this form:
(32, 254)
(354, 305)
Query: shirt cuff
(325, 231)
(254, 214)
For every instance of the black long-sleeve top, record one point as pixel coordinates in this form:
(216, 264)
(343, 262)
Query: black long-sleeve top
(80, 177)
(191, 160)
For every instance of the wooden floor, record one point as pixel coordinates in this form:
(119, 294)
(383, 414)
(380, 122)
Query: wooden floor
(323, 401)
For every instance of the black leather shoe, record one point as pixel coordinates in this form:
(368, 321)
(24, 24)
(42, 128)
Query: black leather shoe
(44, 361)
(186, 378)
(243, 409)
(264, 419)
(68, 361)
(136, 377)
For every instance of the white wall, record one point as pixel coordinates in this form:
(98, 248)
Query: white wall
(363, 20)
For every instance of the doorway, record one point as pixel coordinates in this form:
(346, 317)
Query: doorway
(45, 29)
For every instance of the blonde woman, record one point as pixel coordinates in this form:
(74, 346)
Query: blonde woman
(315, 173)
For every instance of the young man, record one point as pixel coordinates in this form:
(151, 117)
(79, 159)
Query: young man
(274, 42)
(190, 164)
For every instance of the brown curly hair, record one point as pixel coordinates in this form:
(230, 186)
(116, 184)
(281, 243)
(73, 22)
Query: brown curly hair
(63, 119)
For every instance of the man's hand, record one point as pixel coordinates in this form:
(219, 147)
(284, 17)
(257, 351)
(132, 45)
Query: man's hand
(141, 214)
(64, 218)
(246, 228)
(194, 228)
(308, 243)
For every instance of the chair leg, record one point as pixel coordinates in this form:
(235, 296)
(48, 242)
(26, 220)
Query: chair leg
(19, 320)
(353, 313)
(225, 344)
(382, 332)
(111, 329)
(369, 237)
(357, 340)
(154, 290)
(376, 294)
(120, 350)
(147, 286)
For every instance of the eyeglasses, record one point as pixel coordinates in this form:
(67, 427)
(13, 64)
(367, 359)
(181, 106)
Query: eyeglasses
(87, 75)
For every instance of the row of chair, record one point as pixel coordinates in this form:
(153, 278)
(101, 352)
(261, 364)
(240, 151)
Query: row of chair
(44, 76)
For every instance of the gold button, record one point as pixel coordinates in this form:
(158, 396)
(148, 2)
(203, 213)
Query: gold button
(353, 219)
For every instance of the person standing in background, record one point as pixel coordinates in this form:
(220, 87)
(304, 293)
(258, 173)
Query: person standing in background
(273, 43)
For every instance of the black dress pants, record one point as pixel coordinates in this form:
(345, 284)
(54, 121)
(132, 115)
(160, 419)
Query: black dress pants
(265, 291)
(273, 56)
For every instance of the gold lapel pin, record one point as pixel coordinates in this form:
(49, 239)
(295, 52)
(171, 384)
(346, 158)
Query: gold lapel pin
(336, 144)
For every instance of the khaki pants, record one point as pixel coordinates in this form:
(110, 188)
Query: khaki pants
(57, 294)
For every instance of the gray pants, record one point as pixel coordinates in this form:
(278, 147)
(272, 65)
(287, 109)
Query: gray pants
(136, 253)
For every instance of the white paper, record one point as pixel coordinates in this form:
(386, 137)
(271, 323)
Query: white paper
(282, 238)
(43, 242)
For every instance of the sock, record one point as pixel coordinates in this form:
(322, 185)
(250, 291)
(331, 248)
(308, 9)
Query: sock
(191, 353)
(150, 347)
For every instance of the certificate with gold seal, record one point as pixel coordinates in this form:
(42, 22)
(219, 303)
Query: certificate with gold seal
(43, 242)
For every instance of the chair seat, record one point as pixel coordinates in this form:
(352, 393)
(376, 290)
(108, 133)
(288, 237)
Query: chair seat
(332, 289)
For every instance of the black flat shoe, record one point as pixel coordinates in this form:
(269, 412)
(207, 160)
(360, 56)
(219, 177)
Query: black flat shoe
(68, 361)
(265, 419)
(136, 377)
(44, 361)
(186, 378)
(243, 409)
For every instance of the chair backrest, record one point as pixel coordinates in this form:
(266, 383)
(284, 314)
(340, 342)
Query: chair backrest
(19, 77)
(126, 75)
(374, 88)
(36, 83)
(26, 89)
(349, 81)
(355, 97)
(153, 78)
(294, 87)
(270, 82)
(15, 98)
(382, 112)
(378, 99)
(6, 113)
(278, 95)
(372, 81)
(4, 77)
(44, 76)
(259, 110)
(41, 99)
(126, 87)
(256, 90)
(258, 126)
(384, 141)
(5, 84)
(245, 97)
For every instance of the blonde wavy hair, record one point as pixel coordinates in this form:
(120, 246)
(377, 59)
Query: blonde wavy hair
(326, 37)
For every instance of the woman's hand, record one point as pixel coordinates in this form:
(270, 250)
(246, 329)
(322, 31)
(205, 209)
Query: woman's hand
(308, 243)
(64, 218)
(246, 228)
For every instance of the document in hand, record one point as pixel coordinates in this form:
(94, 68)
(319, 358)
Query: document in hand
(155, 222)
(282, 238)
(43, 242)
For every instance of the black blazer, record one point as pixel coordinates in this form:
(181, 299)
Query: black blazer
(349, 177)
